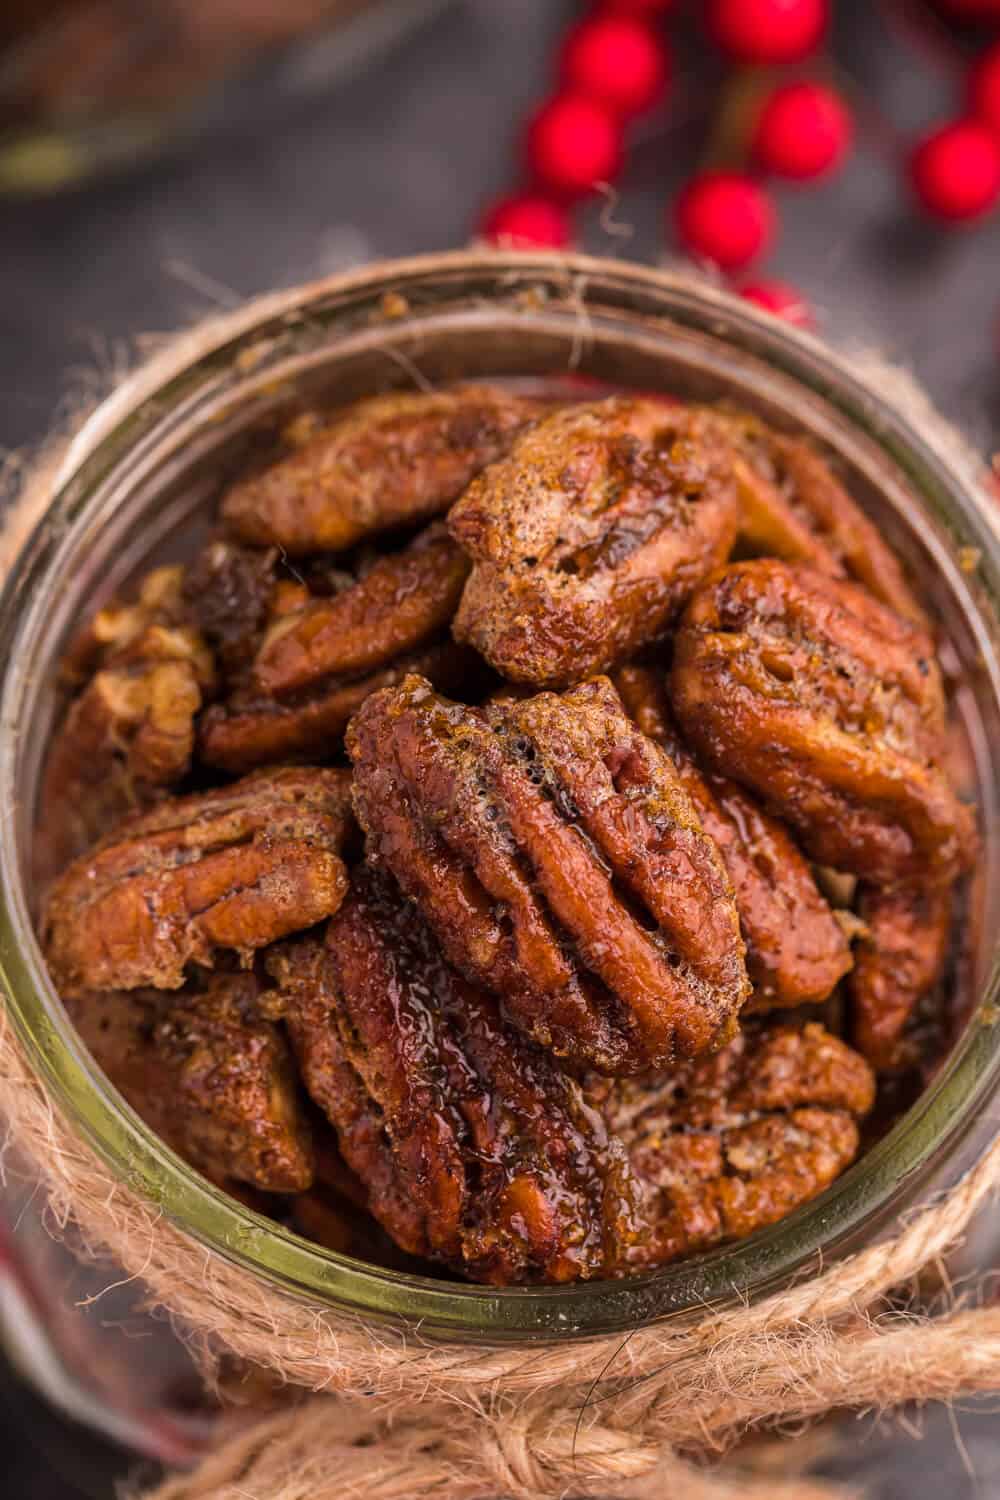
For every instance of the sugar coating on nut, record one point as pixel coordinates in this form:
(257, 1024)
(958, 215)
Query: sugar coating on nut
(232, 869)
(561, 864)
(591, 535)
(208, 1073)
(829, 706)
(387, 461)
(476, 1150)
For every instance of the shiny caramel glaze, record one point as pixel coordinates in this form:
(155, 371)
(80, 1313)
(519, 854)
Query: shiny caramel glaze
(384, 462)
(208, 1073)
(403, 600)
(252, 729)
(797, 949)
(232, 869)
(907, 933)
(314, 657)
(476, 1150)
(794, 507)
(814, 695)
(591, 534)
(561, 864)
(728, 1144)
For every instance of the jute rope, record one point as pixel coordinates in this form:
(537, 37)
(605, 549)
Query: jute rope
(391, 1415)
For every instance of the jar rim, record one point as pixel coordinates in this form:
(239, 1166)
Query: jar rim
(389, 294)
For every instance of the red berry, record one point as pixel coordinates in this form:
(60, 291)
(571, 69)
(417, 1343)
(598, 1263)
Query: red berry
(724, 217)
(955, 171)
(984, 88)
(781, 299)
(618, 61)
(767, 31)
(804, 130)
(527, 219)
(573, 143)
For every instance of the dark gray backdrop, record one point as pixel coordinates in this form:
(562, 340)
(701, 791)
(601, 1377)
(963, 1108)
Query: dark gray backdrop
(396, 159)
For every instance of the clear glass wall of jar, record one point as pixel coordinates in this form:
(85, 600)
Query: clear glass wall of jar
(147, 465)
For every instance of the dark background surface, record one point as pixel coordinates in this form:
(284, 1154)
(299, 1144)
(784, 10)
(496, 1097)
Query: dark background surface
(397, 159)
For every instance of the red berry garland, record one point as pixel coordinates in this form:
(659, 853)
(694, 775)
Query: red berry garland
(804, 130)
(724, 217)
(617, 60)
(767, 31)
(781, 299)
(955, 171)
(984, 88)
(528, 219)
(573, 144)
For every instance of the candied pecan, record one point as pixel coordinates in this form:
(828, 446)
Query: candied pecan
(902, 952)
(252, 729)
(561, 864)
(159, 601)
(797, 949)
(229, 869)
(128, 733)
(829, 706)
(728, 1144)
(208, 1073)
(386, 461)
(402, 601)
(591, 535)
(474, 1148)
(795, 508)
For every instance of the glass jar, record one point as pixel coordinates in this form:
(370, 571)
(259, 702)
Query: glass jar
(147, 465)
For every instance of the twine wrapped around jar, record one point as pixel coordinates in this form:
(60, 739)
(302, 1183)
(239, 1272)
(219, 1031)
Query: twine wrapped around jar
(389, 1413)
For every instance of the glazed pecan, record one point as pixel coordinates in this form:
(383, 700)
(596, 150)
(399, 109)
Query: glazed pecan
(323, 654)
(728, 1144)
(829, 706)
(474, 1148)
(795, 508)
(252, 729)
(229, 869)
(130, 731)
(899, 959)
(561, 864)
(797, 950)
(591, 535)
(387, 461)
(208, 1073)
(401, 602)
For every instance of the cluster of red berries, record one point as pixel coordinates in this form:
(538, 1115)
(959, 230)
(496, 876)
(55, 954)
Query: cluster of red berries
(616, 64)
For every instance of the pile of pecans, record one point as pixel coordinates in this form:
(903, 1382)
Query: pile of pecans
(519, 840)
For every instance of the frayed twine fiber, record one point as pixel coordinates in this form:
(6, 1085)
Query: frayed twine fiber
(623, 1417)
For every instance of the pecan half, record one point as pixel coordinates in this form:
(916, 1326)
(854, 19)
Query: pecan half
(384, 462)
(229, 869)
(591, 535)
(130, 731)
(474, 1148)
(230, 592)
(251, 729)
(402, 601)
(900, 958)
(795, 508)
(829, 706)
(728, 1144)
(797, 950)
(209, 1074)
(561, 864)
